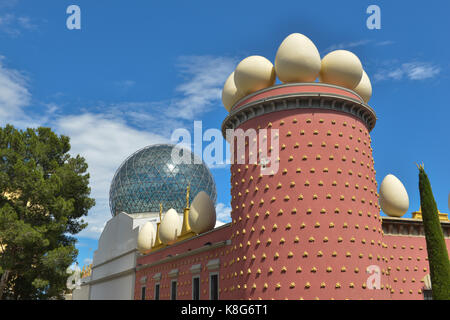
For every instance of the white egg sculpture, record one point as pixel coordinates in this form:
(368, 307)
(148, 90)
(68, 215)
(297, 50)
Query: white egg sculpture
(170, 229)
(364, 88)
(202, 214)
(394, 200)
(230, 94)
(254, 73)
(146, 237)
(342, 68)
(297, 59)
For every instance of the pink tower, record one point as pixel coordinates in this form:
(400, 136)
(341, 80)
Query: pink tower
(312, 229)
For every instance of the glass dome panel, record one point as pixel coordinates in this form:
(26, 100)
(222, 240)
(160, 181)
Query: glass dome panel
(150, 177)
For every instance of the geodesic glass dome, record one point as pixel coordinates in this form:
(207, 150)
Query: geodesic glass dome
(150, 177)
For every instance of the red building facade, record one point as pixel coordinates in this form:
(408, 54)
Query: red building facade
(310, 229)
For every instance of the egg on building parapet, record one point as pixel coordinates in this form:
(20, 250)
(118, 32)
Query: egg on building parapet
(394, 200)
(146, 237)
(202, 214)
(297, 59)
(364, 88)
(254, 73)
(230, 94)
(170, 228)
(342, 68)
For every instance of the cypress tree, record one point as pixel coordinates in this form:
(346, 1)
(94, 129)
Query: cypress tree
(436, 248)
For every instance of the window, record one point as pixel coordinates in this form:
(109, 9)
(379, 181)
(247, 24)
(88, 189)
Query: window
(196, 288)
(157, 291)
(143, 293)
(173, 290)
(214, 286)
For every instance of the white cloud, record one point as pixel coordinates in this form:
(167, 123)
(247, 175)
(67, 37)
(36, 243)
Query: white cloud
(106, 137)
(346, 45)
(87, 261)
(223, 212)
(420, 71)
(25, 23)
(14, 94)
(354, 44)
(105, 143)
(411, 71)
(205, 78)
(144, 115)
(13, 25)
(384, 43)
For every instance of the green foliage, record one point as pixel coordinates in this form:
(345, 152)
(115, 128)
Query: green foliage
(44, 194)
(436, 248)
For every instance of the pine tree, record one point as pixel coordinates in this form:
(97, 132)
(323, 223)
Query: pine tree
(436, 248)
(44, 193)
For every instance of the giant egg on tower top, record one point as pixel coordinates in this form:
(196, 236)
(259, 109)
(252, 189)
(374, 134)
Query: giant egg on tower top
(297, 59)
(230, 94)
(342, 68)
(254, 73)
(364, 88)
(151, 176)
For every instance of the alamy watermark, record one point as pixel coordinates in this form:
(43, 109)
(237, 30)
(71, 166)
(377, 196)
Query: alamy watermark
(245, 147)
(374, 20)
(74, 20)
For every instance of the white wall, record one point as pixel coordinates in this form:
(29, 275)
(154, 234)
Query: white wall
(120, 288)
(114, 262)
(81, 294)
(124, 263)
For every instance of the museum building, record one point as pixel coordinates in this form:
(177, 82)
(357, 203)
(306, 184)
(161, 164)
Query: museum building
(305, 218)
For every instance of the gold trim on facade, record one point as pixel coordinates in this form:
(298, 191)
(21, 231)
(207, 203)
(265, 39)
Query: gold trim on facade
(442, 216)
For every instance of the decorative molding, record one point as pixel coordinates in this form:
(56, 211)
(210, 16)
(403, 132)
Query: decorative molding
(213, 264)
(186, 254)
(131, 271)
(157, 276)
(115, 258)
(156, 250)
(294, 84)
(300, 100)
(143, 280)
(173, 273)
(409, 227)
(196, 268)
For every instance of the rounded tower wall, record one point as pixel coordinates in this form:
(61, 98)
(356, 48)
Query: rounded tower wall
(312, 228)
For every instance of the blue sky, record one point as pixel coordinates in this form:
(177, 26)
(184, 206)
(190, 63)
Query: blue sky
(137, 70)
